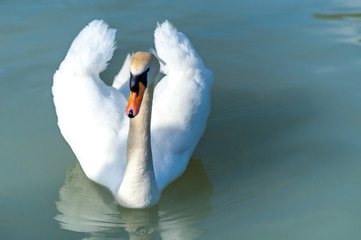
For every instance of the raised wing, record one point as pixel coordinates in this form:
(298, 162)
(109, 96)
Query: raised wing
(181, 103)
(91, 114)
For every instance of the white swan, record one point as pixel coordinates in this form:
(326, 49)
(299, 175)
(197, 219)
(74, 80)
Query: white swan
(137, 158)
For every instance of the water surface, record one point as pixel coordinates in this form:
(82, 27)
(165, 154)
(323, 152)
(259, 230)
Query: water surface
(280, 158)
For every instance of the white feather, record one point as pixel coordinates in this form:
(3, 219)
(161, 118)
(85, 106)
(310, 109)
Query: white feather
(121, 80)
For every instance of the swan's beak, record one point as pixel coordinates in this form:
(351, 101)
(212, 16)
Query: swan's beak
(135, 100)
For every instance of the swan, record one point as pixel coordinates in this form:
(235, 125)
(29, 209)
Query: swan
(136, 136)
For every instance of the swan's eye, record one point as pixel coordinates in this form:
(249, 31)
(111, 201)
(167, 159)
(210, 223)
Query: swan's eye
(135, 79)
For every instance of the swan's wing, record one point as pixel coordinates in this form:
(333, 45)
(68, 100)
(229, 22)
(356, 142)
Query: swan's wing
(181, 103)
(91, 114)
(121, 80)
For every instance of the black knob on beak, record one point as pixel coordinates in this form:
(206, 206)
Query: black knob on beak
(130, 114)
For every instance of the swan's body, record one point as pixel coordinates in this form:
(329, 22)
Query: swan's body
(137, 166)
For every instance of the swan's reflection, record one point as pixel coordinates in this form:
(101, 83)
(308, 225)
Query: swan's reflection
(87, 207)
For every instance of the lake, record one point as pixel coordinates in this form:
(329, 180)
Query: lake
(281, 155)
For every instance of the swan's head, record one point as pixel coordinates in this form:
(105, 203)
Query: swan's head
(144, 68)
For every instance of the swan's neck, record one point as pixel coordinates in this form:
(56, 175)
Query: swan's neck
(139, 188)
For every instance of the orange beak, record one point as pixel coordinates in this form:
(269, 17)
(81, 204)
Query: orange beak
(135, 100)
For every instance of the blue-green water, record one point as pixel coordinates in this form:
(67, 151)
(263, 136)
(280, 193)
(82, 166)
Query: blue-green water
(281, 156)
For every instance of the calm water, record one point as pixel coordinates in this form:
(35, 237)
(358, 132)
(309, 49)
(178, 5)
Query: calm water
(280, 159)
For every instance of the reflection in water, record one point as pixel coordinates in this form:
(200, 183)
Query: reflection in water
(337, 15)
(347, 25)
(87, 207)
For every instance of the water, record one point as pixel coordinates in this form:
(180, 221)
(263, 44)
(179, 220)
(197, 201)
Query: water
(280, 158)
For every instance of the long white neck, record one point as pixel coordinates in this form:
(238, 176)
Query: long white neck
(139, 188)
